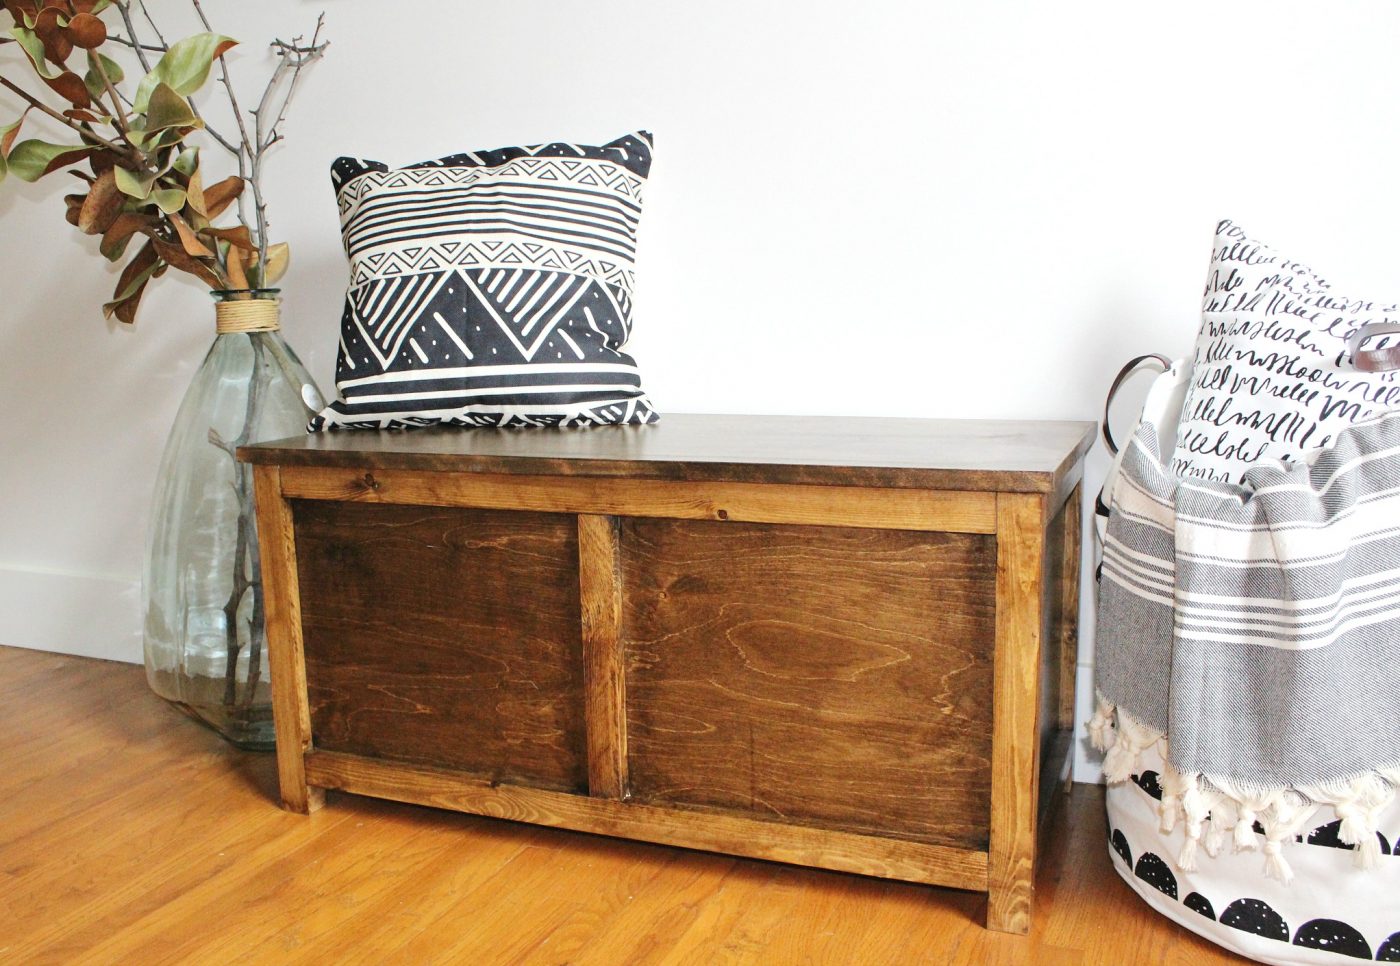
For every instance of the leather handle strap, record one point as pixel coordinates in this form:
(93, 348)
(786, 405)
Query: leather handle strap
(1132, 366)
(1383, 359)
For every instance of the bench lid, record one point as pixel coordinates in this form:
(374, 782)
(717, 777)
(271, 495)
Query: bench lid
(946, 454)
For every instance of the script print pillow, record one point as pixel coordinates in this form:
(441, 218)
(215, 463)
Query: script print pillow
(1272, 378)
(492, 288)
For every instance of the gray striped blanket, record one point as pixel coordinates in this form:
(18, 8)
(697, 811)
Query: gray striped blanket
(1254, 631)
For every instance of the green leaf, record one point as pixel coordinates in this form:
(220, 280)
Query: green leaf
(7, 134)
(184, 67)
(169, 200)
(31, 160)
(93, 80)
(166, 109)
(186, 163)
(135, 185)
(34, 48)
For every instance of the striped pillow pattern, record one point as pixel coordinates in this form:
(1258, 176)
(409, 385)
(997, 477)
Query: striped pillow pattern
(492, 288)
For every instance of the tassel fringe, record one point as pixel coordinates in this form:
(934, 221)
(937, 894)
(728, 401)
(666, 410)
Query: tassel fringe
(1210, 806)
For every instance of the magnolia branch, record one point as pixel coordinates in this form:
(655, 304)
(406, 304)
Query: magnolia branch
(162, 47)
(85, 130)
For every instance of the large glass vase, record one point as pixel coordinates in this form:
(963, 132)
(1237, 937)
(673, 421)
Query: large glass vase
(205, 643)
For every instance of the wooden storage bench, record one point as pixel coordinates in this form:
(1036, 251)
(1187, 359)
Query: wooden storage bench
(842, 643)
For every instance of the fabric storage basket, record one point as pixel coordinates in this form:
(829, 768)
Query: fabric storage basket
(1330, 912)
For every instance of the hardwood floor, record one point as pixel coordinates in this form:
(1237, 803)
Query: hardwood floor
(130, 834)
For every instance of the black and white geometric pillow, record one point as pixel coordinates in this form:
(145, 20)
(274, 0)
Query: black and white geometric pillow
(492, 288)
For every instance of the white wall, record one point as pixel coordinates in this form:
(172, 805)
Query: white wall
(911, 208)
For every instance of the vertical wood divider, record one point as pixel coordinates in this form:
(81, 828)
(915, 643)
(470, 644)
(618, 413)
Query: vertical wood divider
(1068, 631)
(604, 667)
(285, 656)
(1015, 710)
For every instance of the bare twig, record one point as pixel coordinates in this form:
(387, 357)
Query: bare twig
(128, 42)
(293, 58)
(154, 29)
(124, 7)
(243, 152)
(118, 114)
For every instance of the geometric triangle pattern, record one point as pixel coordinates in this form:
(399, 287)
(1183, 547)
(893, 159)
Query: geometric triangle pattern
(491, 288)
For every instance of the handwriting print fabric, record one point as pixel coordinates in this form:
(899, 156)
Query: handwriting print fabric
(491, 288)
(1272, 379)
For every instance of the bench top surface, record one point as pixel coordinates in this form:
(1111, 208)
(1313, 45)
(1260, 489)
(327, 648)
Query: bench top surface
(1000, 455)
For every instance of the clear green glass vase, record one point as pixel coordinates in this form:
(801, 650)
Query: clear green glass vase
(205, 643)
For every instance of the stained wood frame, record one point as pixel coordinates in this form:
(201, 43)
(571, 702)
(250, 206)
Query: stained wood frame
(1019, 521)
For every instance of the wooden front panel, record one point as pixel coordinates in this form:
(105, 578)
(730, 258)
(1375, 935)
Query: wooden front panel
(832, 677)
(447, 637)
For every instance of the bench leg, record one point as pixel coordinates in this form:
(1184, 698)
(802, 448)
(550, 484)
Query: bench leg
(1015, 710)
(291, 714)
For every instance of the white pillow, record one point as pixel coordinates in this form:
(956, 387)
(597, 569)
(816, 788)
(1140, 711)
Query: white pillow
(1272, 377)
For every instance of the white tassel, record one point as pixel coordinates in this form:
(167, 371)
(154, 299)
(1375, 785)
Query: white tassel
(1249, 806)
(1244, 830)
(1275, 865)
(1101, 734)
(1224, 814)
(1358, 803)
(1194, 812)
(1186, 861)
(1173, 784)
(1131, 741)
(1214, 840)
(1285, 816)
(1360, 817)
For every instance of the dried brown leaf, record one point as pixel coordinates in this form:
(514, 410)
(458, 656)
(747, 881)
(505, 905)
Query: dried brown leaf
(143, 262)
(185, 262)
(128, 223)
(101, 161)
(87, 31)
(194, 195)
(104, 203)
(75, 205)
(189, 240)
(237, 275)
(218, 197)
(71, 88)
(237, 235)
(57, 46)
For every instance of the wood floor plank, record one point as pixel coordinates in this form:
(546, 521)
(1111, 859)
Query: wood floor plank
(658, 917)
(129, 833)
(377, 909)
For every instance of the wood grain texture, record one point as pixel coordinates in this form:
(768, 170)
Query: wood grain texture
(951, 511)
(285, 659)
(604, 679)
(1016, 706)
(939, 454)
(829, 677)
(843, 851)
(445, 636)
(138, 832)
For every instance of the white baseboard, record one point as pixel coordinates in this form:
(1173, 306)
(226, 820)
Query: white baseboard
(90, 616)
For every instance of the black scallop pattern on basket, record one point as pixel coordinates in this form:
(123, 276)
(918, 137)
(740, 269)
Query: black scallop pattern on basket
(1255, 915)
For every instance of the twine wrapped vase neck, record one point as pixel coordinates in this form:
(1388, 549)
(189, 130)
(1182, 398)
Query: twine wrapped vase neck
(252, 314)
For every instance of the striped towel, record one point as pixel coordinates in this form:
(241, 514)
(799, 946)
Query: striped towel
(1254, 630)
